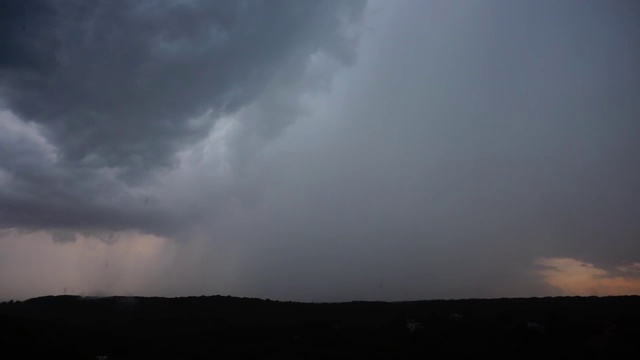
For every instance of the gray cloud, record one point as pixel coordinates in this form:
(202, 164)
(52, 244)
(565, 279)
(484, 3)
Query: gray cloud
(116, 82)
(468, 141)
(473, 140)
(116, 88)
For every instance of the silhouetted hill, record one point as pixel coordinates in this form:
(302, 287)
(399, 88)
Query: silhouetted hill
(222, 326)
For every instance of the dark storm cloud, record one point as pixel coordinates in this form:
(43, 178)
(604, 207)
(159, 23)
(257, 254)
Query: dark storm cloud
(116, 81)
(117, 87)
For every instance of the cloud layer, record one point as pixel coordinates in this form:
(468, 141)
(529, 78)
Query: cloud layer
(461, 141)
(99, 97)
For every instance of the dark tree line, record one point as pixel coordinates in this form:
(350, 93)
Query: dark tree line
(217, 326)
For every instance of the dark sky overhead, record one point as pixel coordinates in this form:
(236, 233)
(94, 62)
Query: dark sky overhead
(320, 150)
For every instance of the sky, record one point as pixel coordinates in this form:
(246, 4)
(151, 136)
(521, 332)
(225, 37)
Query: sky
(320, 150)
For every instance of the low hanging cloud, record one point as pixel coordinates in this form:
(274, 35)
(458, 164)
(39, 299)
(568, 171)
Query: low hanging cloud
(98, 98)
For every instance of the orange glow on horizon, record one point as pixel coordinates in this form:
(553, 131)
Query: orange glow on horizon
(575, 277)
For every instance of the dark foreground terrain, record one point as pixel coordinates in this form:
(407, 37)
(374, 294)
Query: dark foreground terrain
(73, 327)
